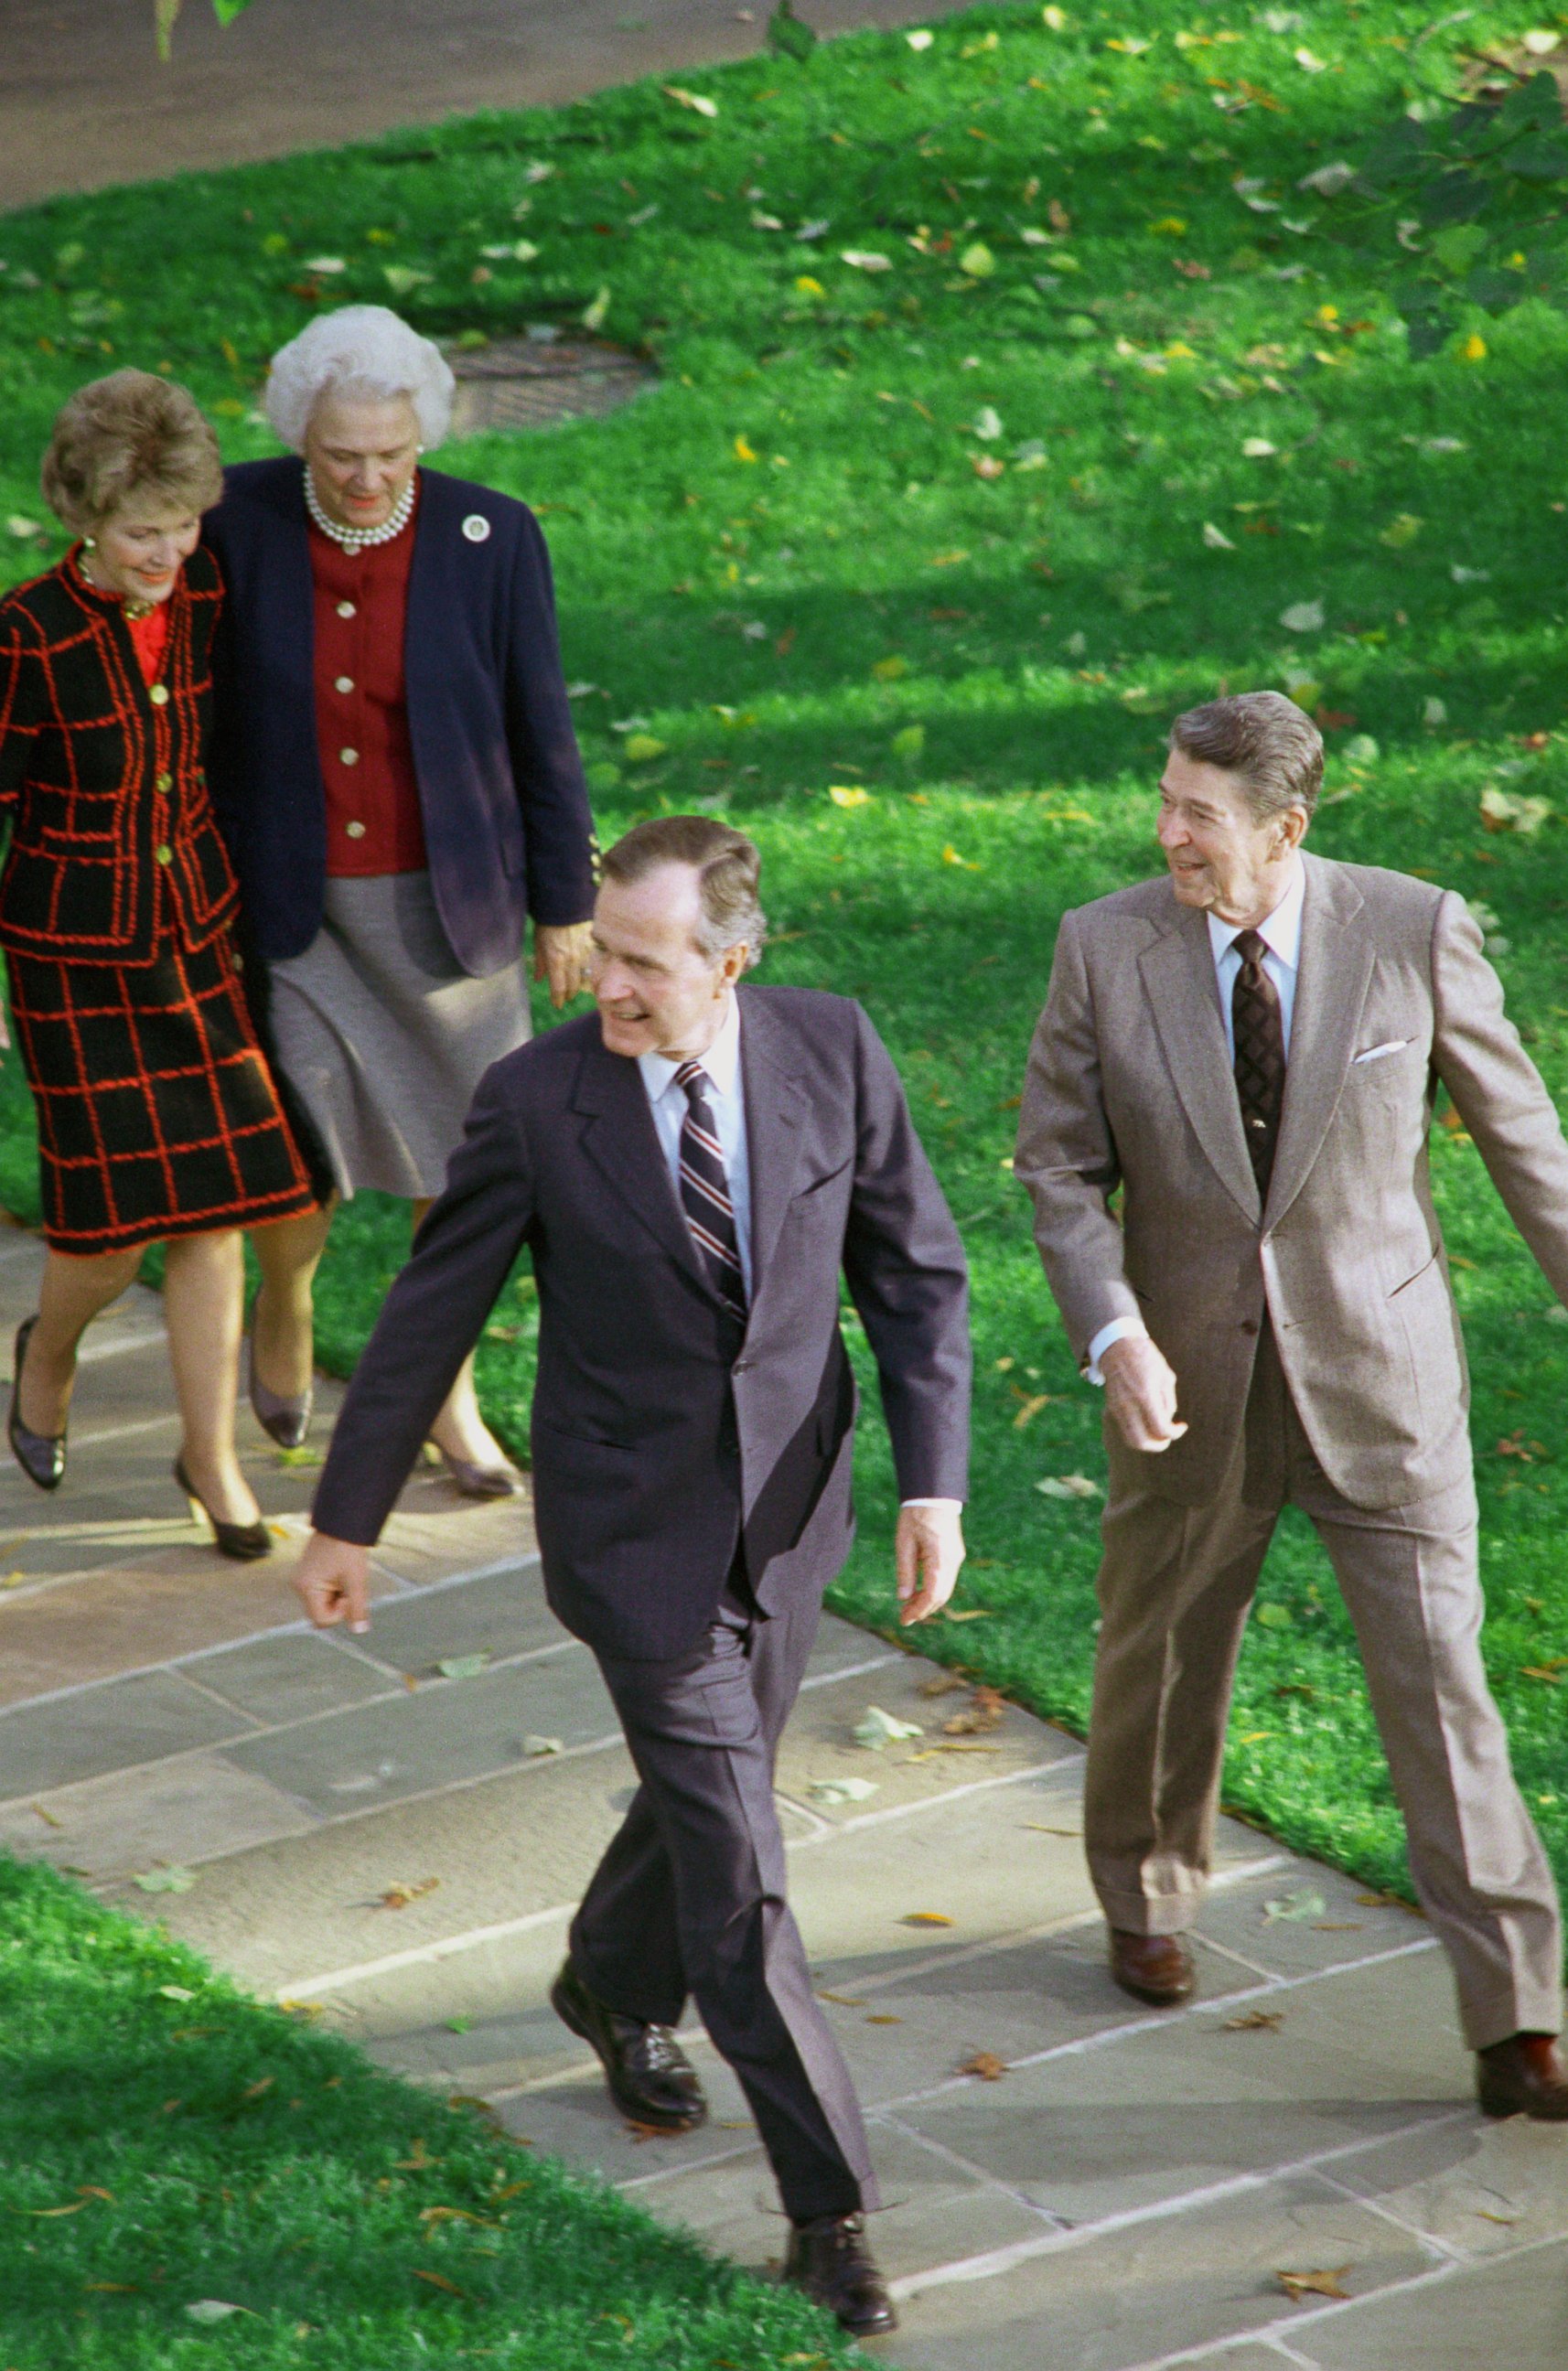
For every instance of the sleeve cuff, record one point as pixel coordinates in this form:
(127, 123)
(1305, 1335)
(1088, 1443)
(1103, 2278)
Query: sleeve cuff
(929, 1502)
(1121, 1329)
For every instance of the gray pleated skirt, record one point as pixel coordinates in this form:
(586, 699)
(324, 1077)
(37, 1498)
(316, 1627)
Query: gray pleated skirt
(384, 1038)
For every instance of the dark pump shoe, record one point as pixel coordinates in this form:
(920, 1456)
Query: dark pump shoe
(286, 1421)
(1523, 2076)
(1153, 1968)
(651, 2079)
(830, 2260)
(245, 1542)
(40, 1456)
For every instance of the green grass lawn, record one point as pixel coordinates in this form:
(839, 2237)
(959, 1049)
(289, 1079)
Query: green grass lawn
(904, 570)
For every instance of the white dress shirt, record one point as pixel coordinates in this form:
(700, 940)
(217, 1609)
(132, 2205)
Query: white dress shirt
(726, 1101)
(1281, 935)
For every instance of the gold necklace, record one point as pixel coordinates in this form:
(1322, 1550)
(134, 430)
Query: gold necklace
(135, 610)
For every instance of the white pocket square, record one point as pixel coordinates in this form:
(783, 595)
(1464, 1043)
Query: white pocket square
(1393, 1045)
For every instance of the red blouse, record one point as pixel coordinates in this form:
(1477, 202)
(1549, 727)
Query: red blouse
(361, 607)
(149, 637)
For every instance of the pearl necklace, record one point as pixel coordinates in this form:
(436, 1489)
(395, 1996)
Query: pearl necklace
(358, 539)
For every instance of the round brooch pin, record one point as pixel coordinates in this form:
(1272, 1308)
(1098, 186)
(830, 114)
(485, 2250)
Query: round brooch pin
(476, 528)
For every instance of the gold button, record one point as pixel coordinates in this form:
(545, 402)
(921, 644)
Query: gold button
(349, 757)
(158, 695)
(164, 854)
(344, 683)
(356, 830)
(164, 783)
(346, 610)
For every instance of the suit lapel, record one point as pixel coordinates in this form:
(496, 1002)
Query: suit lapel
(620, 1138)
(1179, 978)
(776, 1105)
(1331, 982)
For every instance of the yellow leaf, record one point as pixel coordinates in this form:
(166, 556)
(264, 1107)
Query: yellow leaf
(848, 794)
(743, 451)
(950, 856)
(977, 261)
(809, 287)
(439, 2281)
(927, 1918)
(1055, 20)
(640, 748)
(690, 98)
(1178, 351)
(1168, 226)
(1473, 350)
(889, 669)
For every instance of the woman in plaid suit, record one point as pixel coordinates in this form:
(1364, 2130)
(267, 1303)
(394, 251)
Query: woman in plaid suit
(158, 1120)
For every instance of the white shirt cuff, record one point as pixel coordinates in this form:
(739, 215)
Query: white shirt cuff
(1121, 1329)
(930, 1502)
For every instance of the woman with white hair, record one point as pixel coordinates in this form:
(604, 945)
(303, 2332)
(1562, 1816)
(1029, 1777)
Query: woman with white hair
(396, 774)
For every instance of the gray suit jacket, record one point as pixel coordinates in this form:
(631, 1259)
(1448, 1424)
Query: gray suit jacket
(664, 1441)
(1130, 1084)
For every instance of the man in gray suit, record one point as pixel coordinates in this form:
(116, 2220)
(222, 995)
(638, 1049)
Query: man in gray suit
(1249, 1048)
(692, 1170)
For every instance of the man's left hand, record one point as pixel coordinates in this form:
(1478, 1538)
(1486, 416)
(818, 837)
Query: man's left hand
(928, 1550)
(560, 955)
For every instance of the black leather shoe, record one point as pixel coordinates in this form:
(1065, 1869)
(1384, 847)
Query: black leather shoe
(1523, 2076)
(651, 2079)
(829, 2260)
(40, 1456)
(245, 1542)
(1153, 1968)
(286, 1421)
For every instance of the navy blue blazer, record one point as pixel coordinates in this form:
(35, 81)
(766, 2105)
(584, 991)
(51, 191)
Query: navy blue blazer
(500, 790)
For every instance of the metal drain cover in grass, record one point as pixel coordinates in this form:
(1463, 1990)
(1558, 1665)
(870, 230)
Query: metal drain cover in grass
(539, 378)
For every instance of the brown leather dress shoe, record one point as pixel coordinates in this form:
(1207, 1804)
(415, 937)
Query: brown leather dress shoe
(1523, 2076)
(829, 2260)
(1153, 1968)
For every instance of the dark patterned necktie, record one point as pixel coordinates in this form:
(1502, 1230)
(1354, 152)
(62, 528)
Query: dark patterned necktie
(1259, 1055)
(705, 1191)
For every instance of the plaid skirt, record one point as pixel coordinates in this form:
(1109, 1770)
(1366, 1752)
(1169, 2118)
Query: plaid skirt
(157, 1111)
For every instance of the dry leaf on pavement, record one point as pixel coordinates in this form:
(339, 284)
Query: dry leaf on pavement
(398, 1895)
(927, 1918)
(1256, 2021)
(1300, 2284)
(986, 2064)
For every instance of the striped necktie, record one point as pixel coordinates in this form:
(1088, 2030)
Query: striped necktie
(1259, 1055)
(705, 1191)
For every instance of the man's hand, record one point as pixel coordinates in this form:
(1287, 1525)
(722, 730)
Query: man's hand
(560, 955)
(1140, 1391)
(334, 1583)
(928, 1549)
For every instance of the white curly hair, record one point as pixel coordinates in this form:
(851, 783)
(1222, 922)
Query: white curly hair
(360, 350)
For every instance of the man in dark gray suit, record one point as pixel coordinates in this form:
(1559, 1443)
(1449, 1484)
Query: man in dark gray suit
(691, 1171)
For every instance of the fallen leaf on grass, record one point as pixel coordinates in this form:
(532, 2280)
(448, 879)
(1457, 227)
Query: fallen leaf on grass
(848, 794)
(877, 1729)
(1068, 1485)
(1401, 530)
(950, 856)
(927, 1918)
(1303, 618)
(968, 1613)
(1540, 1671)
(457, 2215)
(418, 2160)
(841, 1791)
(642, 748)
(111, 2288)
(864, 258)
(1300, 2284)
(1215, 538)
(1300, 1906)
(1031, 1408)
(1501, 811)
(1256, 2020)
(400, 1894)
(690, 99)
(439, 2281)
(977, 263)
(986, 2064)
(207, 2309)
(175, 1991)
(986, 465)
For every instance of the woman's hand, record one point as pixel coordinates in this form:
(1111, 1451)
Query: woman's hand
(560, 955)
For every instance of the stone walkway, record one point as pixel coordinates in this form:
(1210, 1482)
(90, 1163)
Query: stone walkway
(84, 100)
(1118, 2190)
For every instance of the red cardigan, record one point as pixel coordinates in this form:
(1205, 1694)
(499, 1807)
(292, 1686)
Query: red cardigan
(113, 845)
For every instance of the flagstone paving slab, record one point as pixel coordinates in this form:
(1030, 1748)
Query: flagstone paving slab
(127, 1822)
(1512, 2316)
(142, 1718)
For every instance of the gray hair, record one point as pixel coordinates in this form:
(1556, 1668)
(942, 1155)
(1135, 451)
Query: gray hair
(729, 867)
(360, 350)
(1265, 739)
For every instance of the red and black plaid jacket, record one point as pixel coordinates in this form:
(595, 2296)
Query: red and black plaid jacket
(113, 845)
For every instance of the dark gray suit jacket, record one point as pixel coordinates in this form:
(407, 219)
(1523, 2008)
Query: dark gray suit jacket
(663, 1441)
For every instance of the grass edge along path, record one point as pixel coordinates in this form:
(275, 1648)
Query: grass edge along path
(188, 2175)
(1015, 393)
